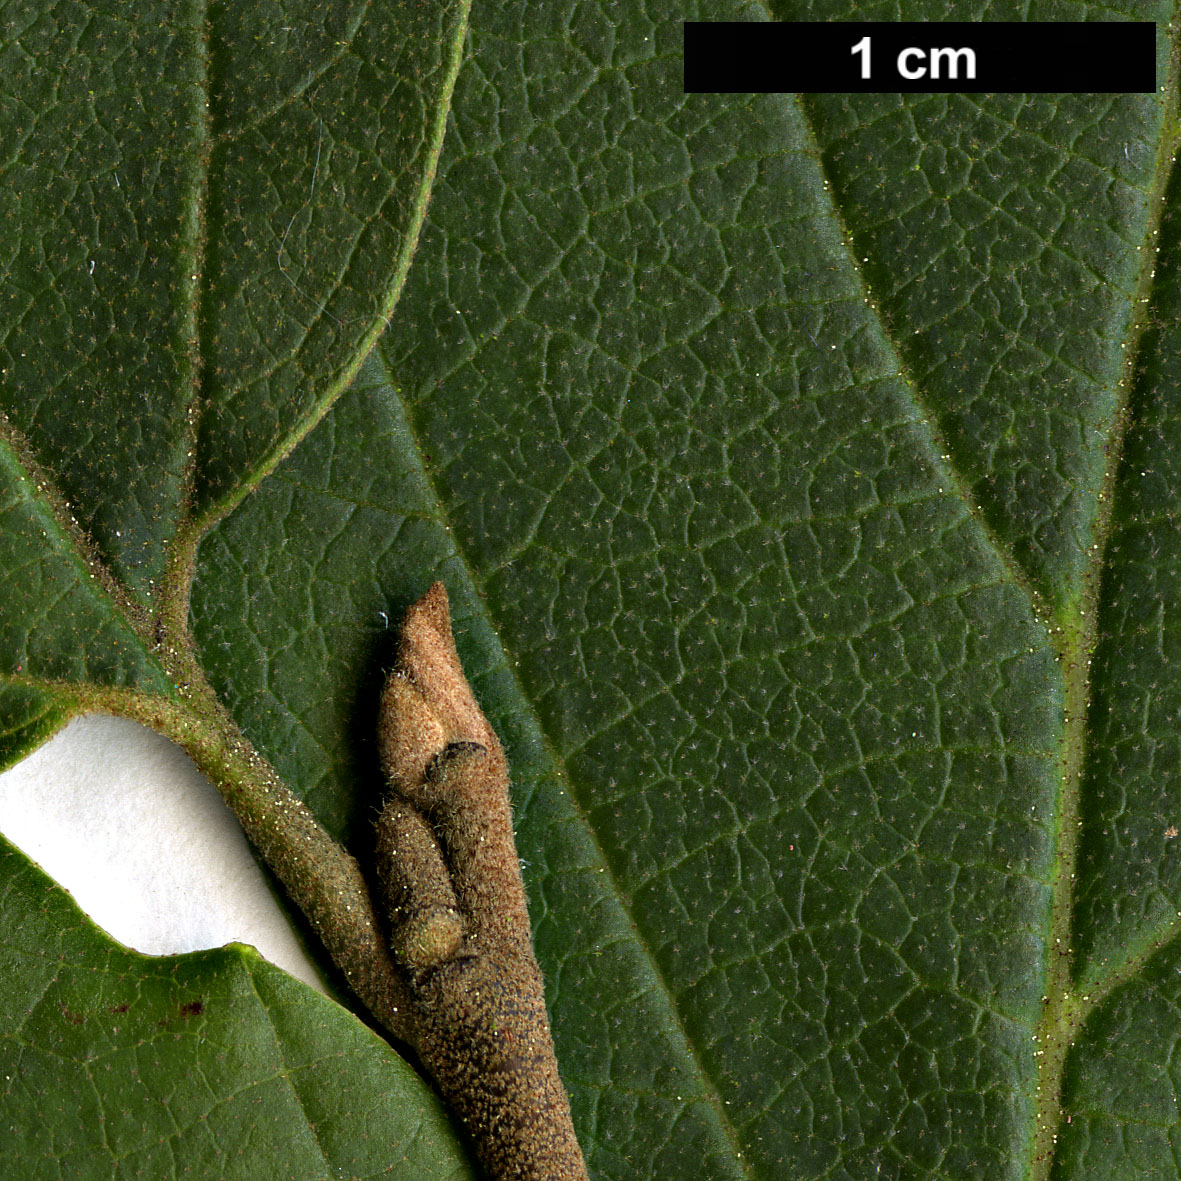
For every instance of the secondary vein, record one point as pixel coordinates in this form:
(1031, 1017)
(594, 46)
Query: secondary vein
(1066, 1006)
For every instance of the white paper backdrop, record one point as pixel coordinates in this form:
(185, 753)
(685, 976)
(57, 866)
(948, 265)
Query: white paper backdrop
(123, 820)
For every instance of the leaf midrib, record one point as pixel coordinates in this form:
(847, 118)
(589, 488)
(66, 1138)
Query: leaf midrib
(1072, 631)
(1071, 999)
(167, 616)
(163, 627)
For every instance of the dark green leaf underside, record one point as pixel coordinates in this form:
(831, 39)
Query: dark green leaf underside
(63, 620)
(1132, 867)
(1009, 318)
(766, 447)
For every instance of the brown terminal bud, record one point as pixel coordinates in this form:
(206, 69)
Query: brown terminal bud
(427, 703)
(455, 907)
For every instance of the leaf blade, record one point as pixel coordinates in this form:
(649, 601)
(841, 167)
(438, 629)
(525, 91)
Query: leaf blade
(116, 1061)
(727, 589)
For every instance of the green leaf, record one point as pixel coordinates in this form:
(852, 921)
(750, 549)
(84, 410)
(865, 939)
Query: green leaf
(803, 473)
(119, 1064)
